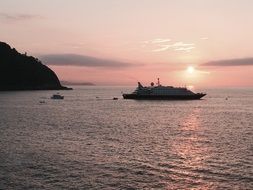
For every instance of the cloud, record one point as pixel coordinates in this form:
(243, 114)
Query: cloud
(204, 38)
(160, 40)
(157, 41)
(231, 62)
(187, 49)
(166, 44)
(18, 17)
(162, 48)
(81, 61)
(178, 46)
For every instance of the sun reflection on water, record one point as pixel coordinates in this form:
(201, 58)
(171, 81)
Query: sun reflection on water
(192, 151)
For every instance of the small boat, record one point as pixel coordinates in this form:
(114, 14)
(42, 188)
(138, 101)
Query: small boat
(57, 97)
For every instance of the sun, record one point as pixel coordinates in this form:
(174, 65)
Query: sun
(190, 69)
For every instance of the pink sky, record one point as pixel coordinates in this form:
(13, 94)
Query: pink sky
(116, 42)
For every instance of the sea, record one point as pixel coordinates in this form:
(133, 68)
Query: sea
(90, 141)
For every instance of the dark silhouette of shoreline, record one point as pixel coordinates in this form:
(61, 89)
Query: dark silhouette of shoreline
(22, 72)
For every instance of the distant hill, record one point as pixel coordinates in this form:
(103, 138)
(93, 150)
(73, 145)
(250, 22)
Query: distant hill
(77, 83)
(21, 72)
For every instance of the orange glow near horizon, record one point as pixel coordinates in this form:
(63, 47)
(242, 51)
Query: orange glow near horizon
(129, 77)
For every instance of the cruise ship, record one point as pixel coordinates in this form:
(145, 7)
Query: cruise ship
(159, 92)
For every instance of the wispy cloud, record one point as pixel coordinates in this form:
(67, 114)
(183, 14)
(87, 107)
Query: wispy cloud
(81, 61)
(18, 17)
(187, 49)
(204, 38)
(157, 41)
(231, 62)
(178, 46)
(162, 48)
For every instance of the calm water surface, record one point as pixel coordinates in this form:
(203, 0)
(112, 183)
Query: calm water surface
(84, 142)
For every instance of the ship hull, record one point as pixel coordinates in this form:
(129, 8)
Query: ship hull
(164, 97)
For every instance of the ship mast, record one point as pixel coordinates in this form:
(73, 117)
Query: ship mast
(158, 82)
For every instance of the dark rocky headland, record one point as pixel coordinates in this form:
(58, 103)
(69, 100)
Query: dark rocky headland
(21, 72)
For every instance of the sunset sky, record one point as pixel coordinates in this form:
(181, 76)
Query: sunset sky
(204, 43)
